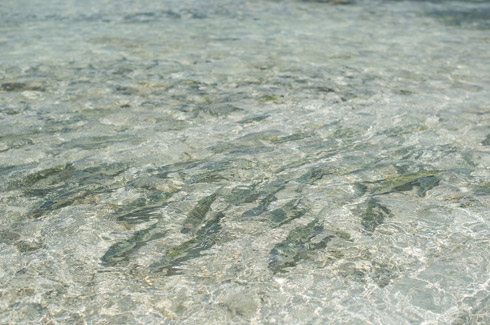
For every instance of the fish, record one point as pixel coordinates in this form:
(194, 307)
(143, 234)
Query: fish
(244, 195)
(47, 177)
(61, 201)
(268, 192)
(120, 252)
(287, 213)
(374, 215)
(255, 118)
(423, 181)
(205, 238)
(20, 86)
(198, 213)
(360, 189)
(141, 209)
(486, 141)
(313, 175)
(423, 184)
(296, 246)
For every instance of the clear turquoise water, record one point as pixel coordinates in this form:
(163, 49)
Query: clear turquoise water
(292, 162)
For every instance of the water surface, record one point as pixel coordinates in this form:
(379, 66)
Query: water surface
(298, 162)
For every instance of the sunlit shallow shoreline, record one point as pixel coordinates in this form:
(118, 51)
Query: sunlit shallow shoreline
(289, 162)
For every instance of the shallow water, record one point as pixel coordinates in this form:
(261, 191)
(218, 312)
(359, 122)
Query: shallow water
(296, 162)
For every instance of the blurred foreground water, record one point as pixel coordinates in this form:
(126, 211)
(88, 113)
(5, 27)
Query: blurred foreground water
(298, 162)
